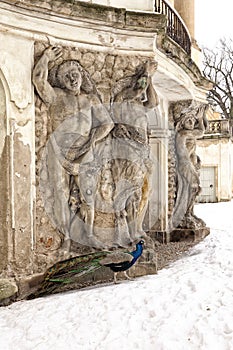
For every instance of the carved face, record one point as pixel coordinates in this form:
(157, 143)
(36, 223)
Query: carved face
(189, 123)
(106, 191)
(71, 78)
(106, 187)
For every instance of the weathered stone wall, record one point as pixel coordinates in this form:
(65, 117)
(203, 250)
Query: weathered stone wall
(17, 180)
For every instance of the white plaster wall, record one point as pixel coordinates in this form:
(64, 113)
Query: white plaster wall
(171, 2)
(197, 56)
(225, 172)
(218, 153)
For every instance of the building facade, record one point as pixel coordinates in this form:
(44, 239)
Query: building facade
(70, 73)
(215, 150)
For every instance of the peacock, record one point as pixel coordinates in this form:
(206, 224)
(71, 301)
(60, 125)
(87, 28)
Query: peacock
(120, 261)
(68, 272)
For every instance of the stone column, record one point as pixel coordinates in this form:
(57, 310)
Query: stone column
(157, 216)
(4, 176)
(187, 12)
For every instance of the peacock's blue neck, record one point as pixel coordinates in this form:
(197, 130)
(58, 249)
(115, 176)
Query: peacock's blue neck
(138, 252)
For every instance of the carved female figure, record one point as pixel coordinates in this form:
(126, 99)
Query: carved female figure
(133, 98)
(190, 124)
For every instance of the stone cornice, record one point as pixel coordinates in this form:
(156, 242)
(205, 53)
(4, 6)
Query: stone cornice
(118, 22)
(77, 10)
(174, 52)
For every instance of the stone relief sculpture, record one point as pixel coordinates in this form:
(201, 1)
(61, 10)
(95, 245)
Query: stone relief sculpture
(132, 99)
(94, 176)
(190, 124)
(78, 121)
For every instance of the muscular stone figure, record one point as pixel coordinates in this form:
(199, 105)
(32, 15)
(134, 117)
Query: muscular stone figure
(79, 122)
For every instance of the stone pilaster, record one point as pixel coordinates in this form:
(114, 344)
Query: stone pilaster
(17, 151)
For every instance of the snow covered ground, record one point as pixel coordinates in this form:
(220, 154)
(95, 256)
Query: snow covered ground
(188, 306)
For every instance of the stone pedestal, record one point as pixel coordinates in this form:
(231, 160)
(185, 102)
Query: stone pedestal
(193, 235)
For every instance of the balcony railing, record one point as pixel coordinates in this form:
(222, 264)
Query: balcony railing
(175, 28)
(218, 127)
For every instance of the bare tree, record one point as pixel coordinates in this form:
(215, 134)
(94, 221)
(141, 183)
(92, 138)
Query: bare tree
(218, 67)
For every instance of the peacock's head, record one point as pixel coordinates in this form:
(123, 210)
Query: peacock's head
(140, 242)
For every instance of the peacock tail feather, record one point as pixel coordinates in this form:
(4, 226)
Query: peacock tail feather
(77, 265)
(69, 272)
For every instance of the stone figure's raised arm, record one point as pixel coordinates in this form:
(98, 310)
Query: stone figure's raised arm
(40, 74)
(152, 97)
(202, 122)
(201, 117)
(103, 123)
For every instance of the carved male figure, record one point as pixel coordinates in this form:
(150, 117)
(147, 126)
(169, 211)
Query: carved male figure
(79, 121)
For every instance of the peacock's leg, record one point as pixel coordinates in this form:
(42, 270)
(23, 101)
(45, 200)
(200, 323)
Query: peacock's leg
(115, 278)
(127, 276)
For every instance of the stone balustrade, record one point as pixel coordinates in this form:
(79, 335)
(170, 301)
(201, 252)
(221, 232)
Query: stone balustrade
(218, 127)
